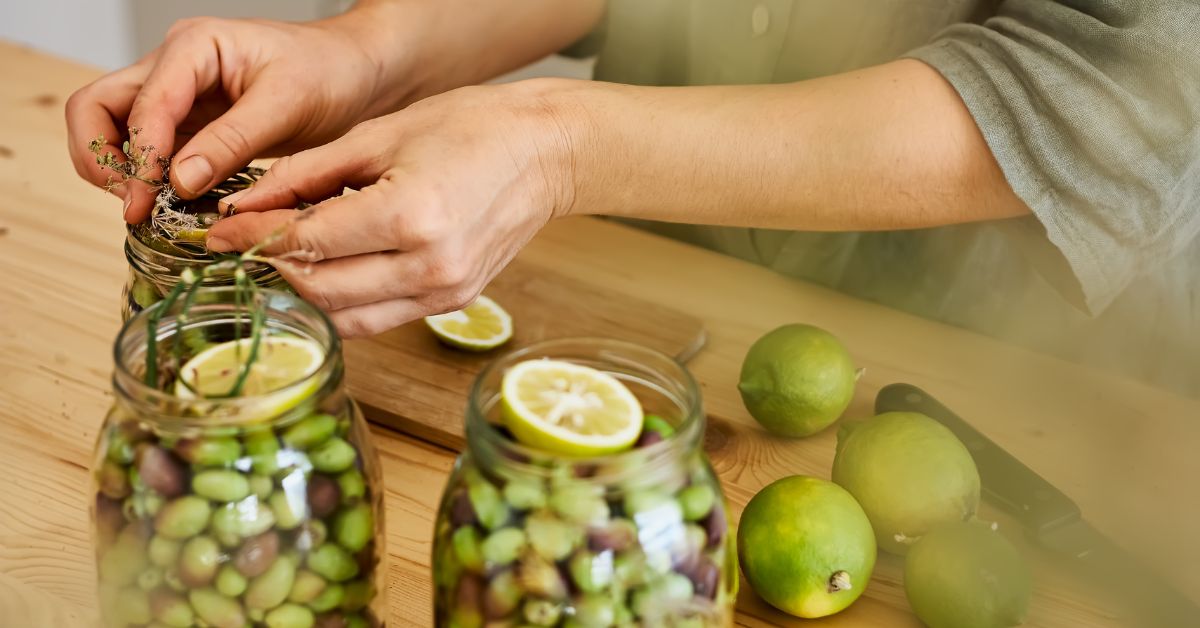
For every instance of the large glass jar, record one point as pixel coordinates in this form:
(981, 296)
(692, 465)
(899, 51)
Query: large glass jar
(638, 538)
(230, 512)
(155, 264)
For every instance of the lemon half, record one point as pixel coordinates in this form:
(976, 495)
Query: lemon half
(566, 408)
(281, 362)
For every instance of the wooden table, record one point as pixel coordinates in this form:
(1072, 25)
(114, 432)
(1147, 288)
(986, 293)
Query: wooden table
(1123, 450)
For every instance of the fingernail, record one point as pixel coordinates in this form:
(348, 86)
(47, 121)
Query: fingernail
(193, 174)
(128, 202)
(227, 205)
(218, 245)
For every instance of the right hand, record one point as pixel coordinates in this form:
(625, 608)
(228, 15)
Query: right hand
(218, 93)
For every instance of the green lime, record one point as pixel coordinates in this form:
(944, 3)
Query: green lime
(806, 546)
(909, 472)
(797, 380)
(965, 575)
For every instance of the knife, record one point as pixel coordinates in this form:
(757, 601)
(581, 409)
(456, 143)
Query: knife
(1053, 520)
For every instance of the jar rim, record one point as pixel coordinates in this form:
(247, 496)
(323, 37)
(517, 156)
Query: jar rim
(292, 314)
(484, 437)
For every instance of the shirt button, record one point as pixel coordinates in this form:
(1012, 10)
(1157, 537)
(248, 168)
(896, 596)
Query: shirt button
(760, 20)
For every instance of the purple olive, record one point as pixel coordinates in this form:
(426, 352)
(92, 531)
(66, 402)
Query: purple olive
(108, 519)
(648, 438)
(705, 576)
(715, 525)
(160, 471)
(323, 495)
(257, 554)
(330, 620)
(461, 511)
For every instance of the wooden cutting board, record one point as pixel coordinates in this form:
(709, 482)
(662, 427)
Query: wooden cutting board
(407, 380)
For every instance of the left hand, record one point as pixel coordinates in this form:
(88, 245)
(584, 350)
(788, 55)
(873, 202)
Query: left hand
(449, 190)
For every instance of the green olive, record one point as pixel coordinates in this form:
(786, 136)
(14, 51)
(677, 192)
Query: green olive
(182, 517)
(309, 432)
(272, 587)
(333, 563)
(217, 610)
(221, 485)
(289, 616)
(503, 546)
(333, 456)
(353, 527)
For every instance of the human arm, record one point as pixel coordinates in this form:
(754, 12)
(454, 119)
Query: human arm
(895, 146)
(226, 91)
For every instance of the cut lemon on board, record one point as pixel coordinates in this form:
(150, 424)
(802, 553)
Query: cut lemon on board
(281, 362)
(566, 408)
(480, 326)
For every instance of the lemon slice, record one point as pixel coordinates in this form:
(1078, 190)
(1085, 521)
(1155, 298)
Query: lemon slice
(282, 361)
(480, 326)
(570, 409)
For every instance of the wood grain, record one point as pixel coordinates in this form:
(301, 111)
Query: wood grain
(1123, 450)
(408, 380)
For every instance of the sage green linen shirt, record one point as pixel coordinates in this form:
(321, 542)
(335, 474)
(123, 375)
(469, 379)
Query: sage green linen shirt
(1090, 107)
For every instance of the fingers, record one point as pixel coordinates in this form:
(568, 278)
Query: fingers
(378, 218)
(100, 109)
(376, 318)
(313, 175)
(219, 149)
(187, 65)
(353, 281)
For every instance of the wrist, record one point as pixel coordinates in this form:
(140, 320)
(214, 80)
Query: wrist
(566, 136)
(385, 31)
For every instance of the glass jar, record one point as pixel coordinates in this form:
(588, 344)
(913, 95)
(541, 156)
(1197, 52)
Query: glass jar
(252, 510)
(638, 538)
(155, 265)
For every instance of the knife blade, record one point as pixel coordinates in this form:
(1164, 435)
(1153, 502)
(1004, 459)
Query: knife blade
(1053, 520)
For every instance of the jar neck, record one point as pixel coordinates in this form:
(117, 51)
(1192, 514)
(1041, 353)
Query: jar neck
(217, 313)
(165, 268)
(662, 462)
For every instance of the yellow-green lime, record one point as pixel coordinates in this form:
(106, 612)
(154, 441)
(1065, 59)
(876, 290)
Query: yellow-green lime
(965, 575)
(909, 472)
(280, 373)
(806, 546)
(567, 408)
(796, 380)
(480, 326)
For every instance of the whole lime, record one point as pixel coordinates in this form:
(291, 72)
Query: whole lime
(965, 575)
(796, 380)
(909, 472)
(806, 546)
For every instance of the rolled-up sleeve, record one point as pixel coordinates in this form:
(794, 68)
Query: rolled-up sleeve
(1091, 109)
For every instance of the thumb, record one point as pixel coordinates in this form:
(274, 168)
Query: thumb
(251, 126)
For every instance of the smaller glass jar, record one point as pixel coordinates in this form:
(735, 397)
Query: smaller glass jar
(155, 265)
(638, 538)
(251, 510)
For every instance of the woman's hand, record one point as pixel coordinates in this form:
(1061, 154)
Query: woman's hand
(449, 190)
(218, 93)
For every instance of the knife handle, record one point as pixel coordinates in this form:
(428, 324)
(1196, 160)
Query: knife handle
(1006, 481)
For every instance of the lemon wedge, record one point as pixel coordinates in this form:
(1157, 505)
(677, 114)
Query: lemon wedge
(481, 326)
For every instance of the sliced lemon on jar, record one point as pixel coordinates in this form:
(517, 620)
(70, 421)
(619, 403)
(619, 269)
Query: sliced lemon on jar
(480, 326)
(282, 361)
(567, 408)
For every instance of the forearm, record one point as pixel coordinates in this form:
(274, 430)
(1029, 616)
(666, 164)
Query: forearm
(425, 47)
(889, 147)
